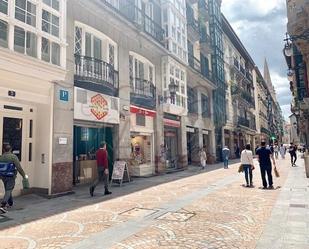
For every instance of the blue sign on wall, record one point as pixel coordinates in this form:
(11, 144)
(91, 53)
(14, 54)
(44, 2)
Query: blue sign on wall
(64, 95)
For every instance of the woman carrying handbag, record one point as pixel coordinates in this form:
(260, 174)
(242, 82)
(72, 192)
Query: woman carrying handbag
(246, 159)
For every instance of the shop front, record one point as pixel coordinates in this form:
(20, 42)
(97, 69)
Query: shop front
(142, 141)
(96, 117)
(171, 140)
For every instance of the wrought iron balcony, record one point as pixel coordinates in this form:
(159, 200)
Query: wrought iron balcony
(138, 17)
(143, 93)
(243, 122)
(247, 96)
(194, 62)
(96, 75)
(264, 130)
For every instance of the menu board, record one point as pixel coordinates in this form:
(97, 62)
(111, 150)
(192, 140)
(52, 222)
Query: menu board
(118, 170)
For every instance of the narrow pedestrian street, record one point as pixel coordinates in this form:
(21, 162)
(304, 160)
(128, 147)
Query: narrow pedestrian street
(188, 209)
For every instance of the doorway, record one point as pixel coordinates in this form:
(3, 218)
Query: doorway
(12, 134)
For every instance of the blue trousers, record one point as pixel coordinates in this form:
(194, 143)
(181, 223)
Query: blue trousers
(226, 162)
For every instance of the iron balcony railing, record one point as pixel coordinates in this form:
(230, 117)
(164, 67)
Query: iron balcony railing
(243, 121)
(139, 18)
(95, 70)
(194, 62)
(143, 87)
(265, 130)
(247, 96)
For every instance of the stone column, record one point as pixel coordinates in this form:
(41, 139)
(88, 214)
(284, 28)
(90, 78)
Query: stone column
(124, 139)
(182, 145)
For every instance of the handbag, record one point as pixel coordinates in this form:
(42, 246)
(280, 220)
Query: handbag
(276, 172)
(241, 168)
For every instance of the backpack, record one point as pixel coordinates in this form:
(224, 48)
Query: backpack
(7, 169)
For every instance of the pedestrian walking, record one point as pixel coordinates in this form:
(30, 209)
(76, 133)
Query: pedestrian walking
(293, 154)
(102, 168)
(265, 156)
(246, 159)
(282, 151)
(203, 158)
(10, 165)
(237, 151)
(276, 150)
(225, 155)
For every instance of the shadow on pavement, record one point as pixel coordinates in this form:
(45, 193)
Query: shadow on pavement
(32, 207)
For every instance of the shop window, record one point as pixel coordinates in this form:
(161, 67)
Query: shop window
(25, 11)
(84, 134)
(140, 120)
(52, 3)
(4, 6)
(50, 23)
(3, 34)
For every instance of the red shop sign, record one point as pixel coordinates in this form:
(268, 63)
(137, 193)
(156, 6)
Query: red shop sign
(144, 112)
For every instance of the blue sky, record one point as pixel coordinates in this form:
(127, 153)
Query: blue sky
(261, 26)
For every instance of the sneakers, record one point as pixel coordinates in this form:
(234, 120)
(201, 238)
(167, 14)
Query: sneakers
(91, 190)
(3, 210)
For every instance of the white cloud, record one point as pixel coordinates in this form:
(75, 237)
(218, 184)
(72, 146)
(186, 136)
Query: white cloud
(261, 26)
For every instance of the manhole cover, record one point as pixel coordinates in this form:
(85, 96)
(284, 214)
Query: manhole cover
(176, 216)
(4, 218)
(138, 212)
(299, 205)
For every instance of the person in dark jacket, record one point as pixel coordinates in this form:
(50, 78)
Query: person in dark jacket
(102, 167)
(265, 156)
(9, 181)
(293, 154)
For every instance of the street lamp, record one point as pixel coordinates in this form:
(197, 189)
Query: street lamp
(290, 74)
(172, 88)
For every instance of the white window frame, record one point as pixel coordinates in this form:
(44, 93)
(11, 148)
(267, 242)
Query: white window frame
(105, 41)
(61, 40)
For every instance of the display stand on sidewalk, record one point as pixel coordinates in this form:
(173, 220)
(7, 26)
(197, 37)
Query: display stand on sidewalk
(119, 171)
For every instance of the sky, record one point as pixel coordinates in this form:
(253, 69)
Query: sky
(261, 26)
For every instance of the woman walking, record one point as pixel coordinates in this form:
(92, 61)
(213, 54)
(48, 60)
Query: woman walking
(282, 151)
(246, 159)
(203, 158)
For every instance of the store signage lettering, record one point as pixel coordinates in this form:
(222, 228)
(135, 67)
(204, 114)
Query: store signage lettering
(172, 123)
(98, 106)
(142, 112)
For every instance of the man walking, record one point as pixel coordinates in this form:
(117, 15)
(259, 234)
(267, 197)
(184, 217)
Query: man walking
(102, 167)
(225, 155)
(9, 181)
(264, 155)
(293, 151)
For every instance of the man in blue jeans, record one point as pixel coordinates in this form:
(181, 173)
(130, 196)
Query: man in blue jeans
(225, 156)
(265, 156)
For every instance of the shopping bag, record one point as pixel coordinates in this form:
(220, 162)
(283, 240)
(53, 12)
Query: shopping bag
(276, 172)
(26, 184)
(241, 168)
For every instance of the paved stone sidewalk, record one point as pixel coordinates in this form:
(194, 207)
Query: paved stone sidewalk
(288, 226)
(190, 209)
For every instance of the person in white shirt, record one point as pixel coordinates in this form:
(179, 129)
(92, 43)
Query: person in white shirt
(203, 158)
(246, 159)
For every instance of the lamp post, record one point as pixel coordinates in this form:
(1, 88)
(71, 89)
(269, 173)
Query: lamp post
(172, 87)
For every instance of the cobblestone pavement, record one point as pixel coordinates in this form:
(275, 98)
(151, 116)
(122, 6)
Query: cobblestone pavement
(199, 210)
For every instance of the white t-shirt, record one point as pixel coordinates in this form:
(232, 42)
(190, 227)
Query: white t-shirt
(246, 157)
